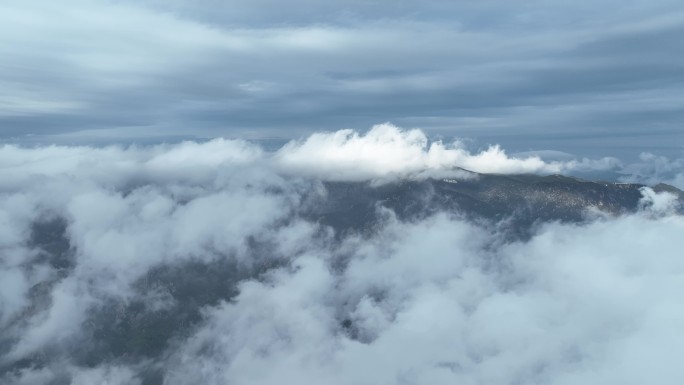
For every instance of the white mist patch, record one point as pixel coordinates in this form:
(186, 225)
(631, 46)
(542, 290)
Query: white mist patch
(117, 165)
(651, 169)
(658, 203)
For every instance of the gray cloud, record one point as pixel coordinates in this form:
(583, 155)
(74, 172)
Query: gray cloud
(535, 76)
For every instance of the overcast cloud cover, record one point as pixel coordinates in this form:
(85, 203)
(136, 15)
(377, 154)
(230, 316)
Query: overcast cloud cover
(589, 78)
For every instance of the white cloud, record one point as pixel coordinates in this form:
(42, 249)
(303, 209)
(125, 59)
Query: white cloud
(652, 169)
(439, 300)
(386, 150)
(588, 304)
(658, 203)
(63, 318)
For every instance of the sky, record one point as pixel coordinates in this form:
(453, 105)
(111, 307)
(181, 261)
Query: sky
(590, 78)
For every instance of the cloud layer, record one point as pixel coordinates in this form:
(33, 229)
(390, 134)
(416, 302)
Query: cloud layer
(581, 77)
(196, 262)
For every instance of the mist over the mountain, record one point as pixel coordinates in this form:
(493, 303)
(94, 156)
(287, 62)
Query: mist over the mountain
(342, 258)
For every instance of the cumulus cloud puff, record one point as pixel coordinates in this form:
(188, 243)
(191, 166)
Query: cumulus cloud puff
(388, 150)
(211, 262)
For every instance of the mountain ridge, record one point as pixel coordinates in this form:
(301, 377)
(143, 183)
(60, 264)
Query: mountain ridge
(523, 199)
